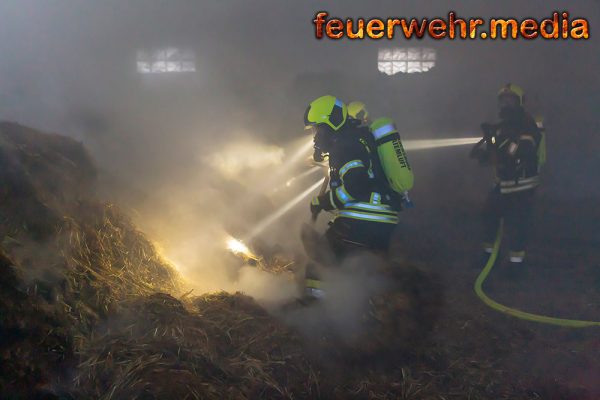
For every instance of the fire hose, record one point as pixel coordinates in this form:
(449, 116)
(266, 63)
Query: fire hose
(569, 323)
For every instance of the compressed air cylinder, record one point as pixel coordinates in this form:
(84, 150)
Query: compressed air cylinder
(392, 155)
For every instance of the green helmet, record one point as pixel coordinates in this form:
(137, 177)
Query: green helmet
(358, 110)
(326, 110)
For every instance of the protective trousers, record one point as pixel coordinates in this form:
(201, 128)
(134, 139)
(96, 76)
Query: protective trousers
(517, 211)
(344, 237)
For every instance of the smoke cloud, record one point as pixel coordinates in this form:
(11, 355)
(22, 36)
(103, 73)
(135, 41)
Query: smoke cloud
(196, 155)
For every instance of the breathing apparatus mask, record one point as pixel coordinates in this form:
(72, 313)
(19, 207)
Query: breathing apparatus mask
(509, 106)
(323, 139)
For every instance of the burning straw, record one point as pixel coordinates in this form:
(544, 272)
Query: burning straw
(108, 260)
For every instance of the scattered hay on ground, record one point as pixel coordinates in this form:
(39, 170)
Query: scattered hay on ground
(216, 346)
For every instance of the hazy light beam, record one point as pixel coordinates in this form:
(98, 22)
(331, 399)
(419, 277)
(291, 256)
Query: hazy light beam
(301, 175)
(282, 171)
(265, 223)
(437, 143)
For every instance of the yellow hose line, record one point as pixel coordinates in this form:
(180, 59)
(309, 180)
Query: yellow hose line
(570, 323)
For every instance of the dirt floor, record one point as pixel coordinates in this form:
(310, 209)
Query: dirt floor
(560, 280)
(89, 309)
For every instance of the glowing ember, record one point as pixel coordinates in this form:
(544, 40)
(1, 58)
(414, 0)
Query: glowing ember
(238, 247)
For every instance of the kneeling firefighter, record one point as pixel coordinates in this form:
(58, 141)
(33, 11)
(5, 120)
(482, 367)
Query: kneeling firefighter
(515, 146)
(365, 206)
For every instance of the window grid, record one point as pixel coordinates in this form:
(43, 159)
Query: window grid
(408, 60)
(165, 60)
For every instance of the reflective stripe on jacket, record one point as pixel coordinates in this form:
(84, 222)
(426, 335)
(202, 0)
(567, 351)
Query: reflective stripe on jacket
(354, 191)
(519, 185)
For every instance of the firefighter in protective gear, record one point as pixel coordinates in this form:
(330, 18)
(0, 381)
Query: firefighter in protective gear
(358, 111)
(512, 146)
(364, 216)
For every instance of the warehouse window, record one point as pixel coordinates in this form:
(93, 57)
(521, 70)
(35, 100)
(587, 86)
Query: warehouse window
(165, 60)
(407, 60)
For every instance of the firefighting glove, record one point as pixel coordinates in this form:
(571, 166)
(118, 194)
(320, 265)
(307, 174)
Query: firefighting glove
(489, 133)
(315, 207)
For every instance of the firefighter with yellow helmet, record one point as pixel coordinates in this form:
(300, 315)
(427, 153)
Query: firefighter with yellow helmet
(358, 111)
(515, 146)
(365, 209)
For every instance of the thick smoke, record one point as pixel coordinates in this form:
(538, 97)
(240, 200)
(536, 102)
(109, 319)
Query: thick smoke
(188, 151)
(342, 311)
(198, 157)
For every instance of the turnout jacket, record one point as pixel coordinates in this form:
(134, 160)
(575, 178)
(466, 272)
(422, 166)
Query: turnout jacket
(355, 191)
(512, 147)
